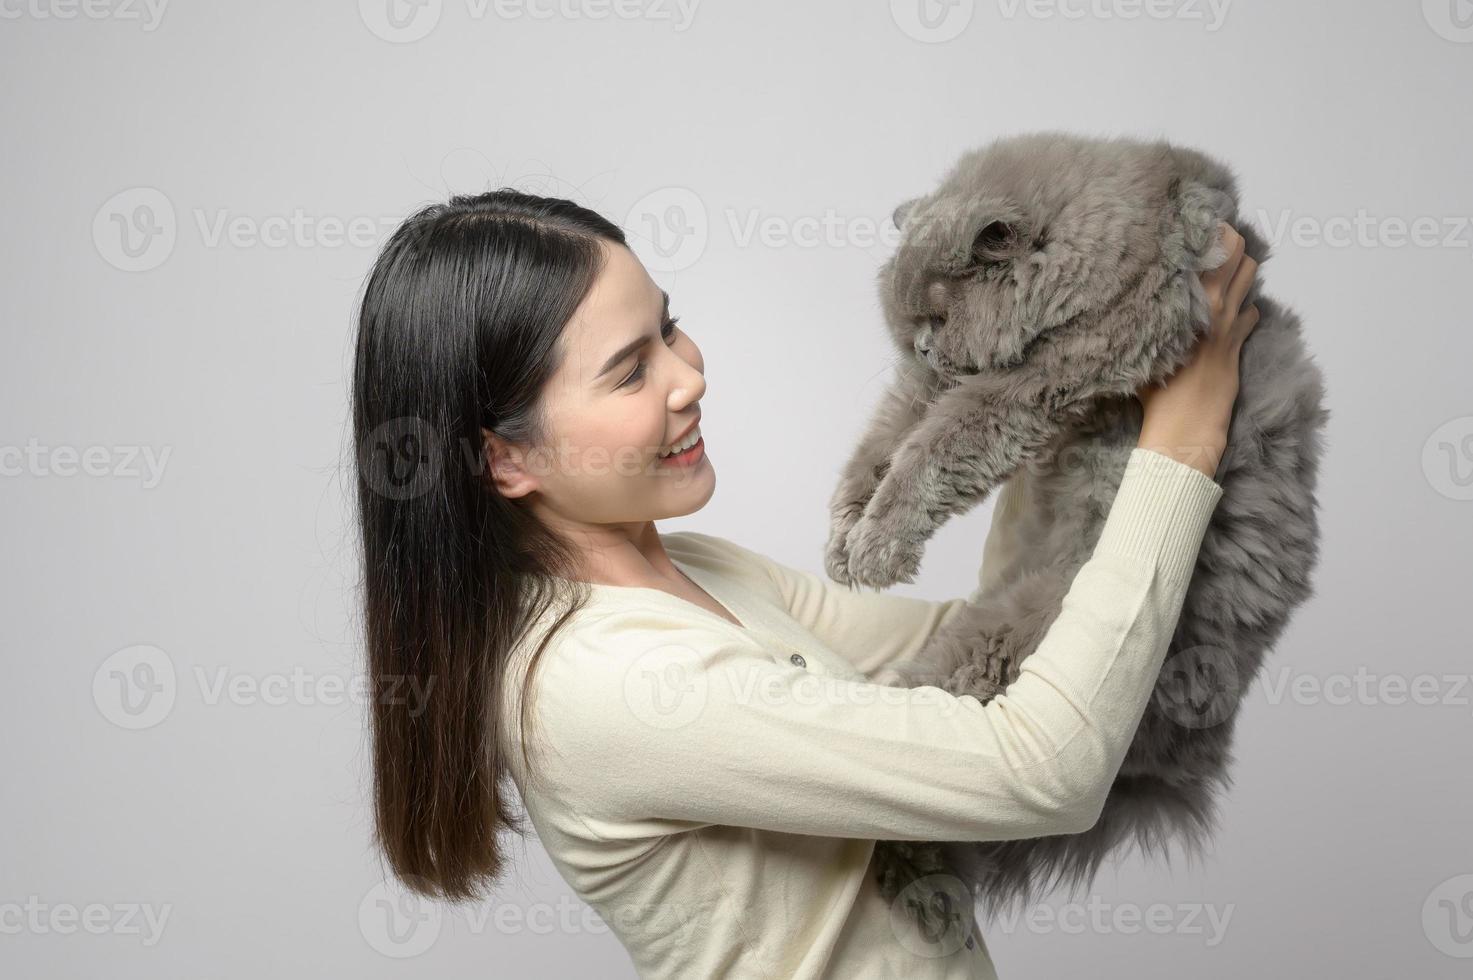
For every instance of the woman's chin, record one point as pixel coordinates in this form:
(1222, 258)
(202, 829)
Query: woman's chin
(689, 487)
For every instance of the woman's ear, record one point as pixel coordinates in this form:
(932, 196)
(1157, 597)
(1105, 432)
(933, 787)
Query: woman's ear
(505, 465)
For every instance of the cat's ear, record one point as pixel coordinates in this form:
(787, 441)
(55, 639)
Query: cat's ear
(991, 236)
(996, 241)
(902, 211)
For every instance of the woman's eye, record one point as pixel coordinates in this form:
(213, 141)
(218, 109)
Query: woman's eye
(666, 332)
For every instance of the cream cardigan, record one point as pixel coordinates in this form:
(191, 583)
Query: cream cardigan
(714, 792)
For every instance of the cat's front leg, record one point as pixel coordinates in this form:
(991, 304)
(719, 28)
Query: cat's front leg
(900, 409)
(971, 440)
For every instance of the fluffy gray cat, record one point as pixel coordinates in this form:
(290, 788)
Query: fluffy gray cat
(1033, 292)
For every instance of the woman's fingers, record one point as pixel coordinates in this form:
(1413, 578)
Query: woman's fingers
(1237, 287)
(1227, 286)
(1215, 280)
(1245, 322)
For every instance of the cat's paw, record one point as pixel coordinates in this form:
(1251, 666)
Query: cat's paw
(846, 506)
(836, 552)
(883, 551)
(975, 679)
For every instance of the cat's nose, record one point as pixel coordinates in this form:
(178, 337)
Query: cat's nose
(923, 340)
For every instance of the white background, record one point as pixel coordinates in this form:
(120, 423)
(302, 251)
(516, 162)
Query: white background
(233, 142)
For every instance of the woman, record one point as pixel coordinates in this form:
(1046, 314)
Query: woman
(691, 725)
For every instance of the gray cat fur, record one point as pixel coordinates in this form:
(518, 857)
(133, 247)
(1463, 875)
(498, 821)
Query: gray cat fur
(1044, 281)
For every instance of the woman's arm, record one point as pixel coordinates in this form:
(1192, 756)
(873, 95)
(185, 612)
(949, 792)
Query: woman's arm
(656, 719)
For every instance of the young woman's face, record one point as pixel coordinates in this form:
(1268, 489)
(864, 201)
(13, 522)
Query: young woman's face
(628, 389)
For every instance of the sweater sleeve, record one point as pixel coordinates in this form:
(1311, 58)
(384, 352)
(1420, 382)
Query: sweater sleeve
(656, 719)
(875, 629)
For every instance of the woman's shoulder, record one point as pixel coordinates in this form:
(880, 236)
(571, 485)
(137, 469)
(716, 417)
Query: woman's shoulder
(612, 627)
(603, 658)
(721, 556)
(700, 546)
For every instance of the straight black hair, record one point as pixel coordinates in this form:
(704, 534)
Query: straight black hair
(459, 330)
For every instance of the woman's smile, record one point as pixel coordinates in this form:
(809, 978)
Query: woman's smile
(695, 454)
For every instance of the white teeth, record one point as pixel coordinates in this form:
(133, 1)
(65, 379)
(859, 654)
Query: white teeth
(686, 443)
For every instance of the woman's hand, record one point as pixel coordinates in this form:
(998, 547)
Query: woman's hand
(1187, 417)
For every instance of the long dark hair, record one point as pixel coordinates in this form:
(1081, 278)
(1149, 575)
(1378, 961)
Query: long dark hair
(458, 330)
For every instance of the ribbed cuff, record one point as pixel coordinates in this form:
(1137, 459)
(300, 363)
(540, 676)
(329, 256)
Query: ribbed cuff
(1160, 513)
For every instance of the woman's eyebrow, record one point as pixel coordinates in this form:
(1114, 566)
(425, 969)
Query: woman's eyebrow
(619, 355)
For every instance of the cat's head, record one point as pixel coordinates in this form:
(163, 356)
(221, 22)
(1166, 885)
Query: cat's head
(949, 292)
(1036, 233)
